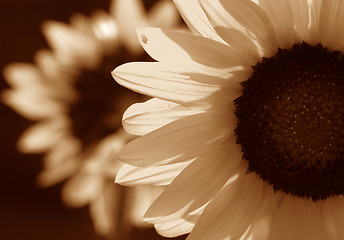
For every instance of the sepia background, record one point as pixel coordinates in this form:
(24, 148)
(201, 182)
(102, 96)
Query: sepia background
(27, 211)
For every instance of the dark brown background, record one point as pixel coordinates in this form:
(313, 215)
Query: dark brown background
(28, 212)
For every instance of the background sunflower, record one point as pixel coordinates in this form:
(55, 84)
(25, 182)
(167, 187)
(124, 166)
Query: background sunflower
(27, 211)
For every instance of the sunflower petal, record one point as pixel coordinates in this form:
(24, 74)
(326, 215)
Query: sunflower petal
(159, 175)
(178, 141)
(158, 80)
(196, 19)
(142, 118)
(281, 16)
(212, 170)
(188, 51)
(231, 211)
(245, 16)
(331, 23)
(299, 219)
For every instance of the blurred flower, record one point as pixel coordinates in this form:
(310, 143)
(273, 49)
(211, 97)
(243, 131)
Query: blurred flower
(69, 92)
(247, 152)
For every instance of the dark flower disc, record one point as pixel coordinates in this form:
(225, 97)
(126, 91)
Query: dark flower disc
(290, 121)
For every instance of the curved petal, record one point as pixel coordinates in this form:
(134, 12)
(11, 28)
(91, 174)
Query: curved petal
(331, 24)
(300, 11)
(158, 80)
(142, 118)
(299, 219)
(163, 14)
(196, 184)
(82, 189)
(196, 19)
(281, 16)
(178, 141)
(180, 226)
(231, 211)
(189, 52)
(333, 215)
(66, 40)
(159, 175)
(42, 136)
(246, 16)
(31, 104)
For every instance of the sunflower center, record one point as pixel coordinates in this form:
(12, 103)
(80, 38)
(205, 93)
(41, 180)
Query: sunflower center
(291, 121)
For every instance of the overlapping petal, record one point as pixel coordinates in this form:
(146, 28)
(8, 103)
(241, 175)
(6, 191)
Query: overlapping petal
(196, 19)
(186, 138)
(189, 52)
(231, 211)
(185, 191)
(142, 118)
(157, 175)
(245, 16)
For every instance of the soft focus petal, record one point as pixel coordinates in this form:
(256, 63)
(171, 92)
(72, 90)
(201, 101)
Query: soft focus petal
(66, 40)
(42, 136)
(82, 189)
(32, 105)
(163, 14)
(105, 209)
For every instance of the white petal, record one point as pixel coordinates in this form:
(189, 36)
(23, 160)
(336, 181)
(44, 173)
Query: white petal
(196, 184)
(196, 19)
(298, 219)
(246, 16)
(281, 16)
(331, 24)
(300, 11)
(314, 29)
(142, 118)
(240, 41)
(42, 136)
(230, 213)
(189, 52)
(159, 175)
(261, 227)
(178, 227)
(333, 215)
(178, 141)
(158, 80)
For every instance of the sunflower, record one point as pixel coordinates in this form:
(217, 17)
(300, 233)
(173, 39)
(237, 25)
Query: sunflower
(246, 124)
(68, 93)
